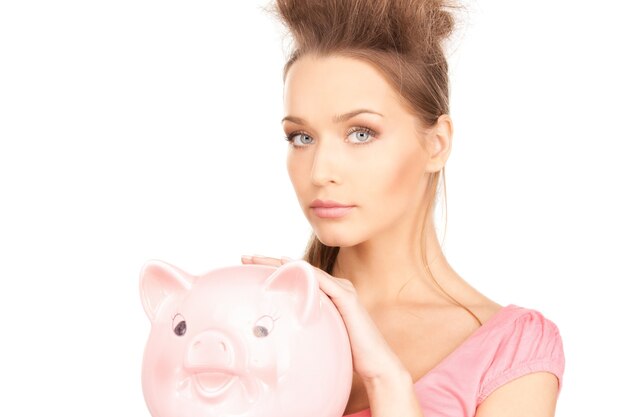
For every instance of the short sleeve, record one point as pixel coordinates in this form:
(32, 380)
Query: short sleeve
(532, 344)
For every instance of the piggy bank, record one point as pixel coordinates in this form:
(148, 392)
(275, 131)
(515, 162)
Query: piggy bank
(245, 340)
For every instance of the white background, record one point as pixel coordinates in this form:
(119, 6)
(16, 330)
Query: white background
(132, 130)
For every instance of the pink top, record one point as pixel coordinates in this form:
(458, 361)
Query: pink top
(515, 341)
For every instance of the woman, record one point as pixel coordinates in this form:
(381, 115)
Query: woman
(366, 117)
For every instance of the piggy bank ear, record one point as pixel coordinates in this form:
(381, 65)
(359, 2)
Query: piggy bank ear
(157, 281)
(297, 281)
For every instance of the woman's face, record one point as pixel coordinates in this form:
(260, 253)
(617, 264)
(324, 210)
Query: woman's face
(373, 162)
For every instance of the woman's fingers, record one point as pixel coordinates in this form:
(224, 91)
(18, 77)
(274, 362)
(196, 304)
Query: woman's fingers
(285, 259)
(264, 260)
(260, 260)
(340, 290)
(332, 286)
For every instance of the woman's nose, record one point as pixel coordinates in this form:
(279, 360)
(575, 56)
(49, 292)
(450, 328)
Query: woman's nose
(326, 161)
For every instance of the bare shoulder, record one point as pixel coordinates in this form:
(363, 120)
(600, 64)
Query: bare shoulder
(457, 318)
(486, 309)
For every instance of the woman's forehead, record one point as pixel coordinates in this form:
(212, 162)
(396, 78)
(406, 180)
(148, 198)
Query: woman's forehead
(334, 86)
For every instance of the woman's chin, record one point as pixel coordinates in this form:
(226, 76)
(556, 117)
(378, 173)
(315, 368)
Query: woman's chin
(333, 238)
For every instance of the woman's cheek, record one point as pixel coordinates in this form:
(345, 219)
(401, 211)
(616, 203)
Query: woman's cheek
(402, 179)
(298, 175)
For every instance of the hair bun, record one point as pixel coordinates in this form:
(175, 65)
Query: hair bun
(405, 26)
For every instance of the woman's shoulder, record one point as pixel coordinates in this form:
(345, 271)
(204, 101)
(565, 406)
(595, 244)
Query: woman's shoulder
(512, 341)
(521, 340)
(524, 319)
(513, 321)
(509, 315)
(485, 309)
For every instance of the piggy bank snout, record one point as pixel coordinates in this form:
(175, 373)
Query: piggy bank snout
(210, 350)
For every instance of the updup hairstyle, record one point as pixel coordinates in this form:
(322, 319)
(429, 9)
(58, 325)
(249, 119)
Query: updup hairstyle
(403, 39)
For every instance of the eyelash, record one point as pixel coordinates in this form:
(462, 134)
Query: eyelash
(289, 138)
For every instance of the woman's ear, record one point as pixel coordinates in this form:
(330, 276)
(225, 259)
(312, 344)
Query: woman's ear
(439, 141)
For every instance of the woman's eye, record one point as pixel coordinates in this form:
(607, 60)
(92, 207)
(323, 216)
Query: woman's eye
(361, 137)
(306, 141)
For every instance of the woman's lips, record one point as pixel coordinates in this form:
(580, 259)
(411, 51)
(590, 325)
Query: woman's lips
(331, 212)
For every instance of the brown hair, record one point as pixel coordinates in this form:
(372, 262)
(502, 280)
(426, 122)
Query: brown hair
(403, 40)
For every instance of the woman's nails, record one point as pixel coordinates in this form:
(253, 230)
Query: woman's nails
(246, 257)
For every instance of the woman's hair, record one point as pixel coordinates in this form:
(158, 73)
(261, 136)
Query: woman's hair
(403, 40)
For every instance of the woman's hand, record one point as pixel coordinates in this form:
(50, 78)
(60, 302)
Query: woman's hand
(372, 357)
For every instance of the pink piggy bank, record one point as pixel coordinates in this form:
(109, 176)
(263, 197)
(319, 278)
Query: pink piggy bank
(246, 341)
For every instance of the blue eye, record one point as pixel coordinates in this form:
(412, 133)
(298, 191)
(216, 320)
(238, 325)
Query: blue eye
(365, 131)
(290, 138)
(361, 129)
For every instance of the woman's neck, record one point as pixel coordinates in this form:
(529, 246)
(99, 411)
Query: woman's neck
(388, 269)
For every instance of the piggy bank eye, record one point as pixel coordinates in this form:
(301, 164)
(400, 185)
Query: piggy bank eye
(179, 325)
(263, 326)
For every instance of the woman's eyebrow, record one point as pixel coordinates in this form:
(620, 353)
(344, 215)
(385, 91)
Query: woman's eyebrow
(336, 119)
